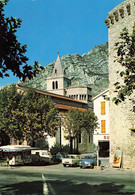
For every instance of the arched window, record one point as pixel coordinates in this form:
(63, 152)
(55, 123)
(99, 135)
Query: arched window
(53, 85)
(56, 84)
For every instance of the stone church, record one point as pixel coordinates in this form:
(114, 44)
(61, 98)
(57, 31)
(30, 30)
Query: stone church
(65, 96)
(59, 84)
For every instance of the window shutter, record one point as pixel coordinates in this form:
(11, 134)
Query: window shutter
(103, 126)
(102, 107)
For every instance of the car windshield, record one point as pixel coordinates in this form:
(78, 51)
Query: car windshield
(61, 154)
(44, 153)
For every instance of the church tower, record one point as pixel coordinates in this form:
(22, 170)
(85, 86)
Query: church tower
(57, 82)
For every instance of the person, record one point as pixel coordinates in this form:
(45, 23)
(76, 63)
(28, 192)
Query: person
(7, 162)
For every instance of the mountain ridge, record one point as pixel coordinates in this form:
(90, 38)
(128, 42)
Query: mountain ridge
(90, 69)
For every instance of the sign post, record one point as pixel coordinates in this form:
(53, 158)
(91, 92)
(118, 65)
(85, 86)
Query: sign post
(97, 156)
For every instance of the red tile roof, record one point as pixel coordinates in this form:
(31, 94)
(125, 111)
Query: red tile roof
(52, 95)
(65, 107)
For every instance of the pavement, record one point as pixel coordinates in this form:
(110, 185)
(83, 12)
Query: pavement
(104, 162)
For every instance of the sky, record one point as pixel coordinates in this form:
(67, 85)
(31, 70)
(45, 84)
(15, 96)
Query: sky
(64, 26)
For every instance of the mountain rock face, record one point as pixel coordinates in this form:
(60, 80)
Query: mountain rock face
(89, 69)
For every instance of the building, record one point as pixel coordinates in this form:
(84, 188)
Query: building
(58, 83)
(122, 123)
(63, 104)
(101, 137)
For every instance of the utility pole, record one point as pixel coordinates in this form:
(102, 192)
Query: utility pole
(97, 156)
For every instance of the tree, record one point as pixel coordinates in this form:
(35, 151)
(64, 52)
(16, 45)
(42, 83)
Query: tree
(76, 121)
(9, 100)
(73, 124)
(27, 115)
(125, 50)
(39, 114)
(12, 54)
(42, 144)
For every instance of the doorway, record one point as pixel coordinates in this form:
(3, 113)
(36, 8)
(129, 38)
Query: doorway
(103, 148)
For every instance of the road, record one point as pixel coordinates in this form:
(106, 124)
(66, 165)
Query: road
(57, 180)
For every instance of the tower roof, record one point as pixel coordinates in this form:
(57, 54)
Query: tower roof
(58, 70)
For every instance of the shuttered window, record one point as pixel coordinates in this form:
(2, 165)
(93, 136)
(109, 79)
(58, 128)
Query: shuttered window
(103, 126)
(102, 107)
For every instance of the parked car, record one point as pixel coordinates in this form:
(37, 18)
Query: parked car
(89, 160)
(60, 155)
(71, 160)
(41, 157)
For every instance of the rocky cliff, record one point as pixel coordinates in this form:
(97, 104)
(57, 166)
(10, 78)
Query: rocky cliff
(89, 69)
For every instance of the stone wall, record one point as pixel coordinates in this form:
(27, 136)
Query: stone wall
(121, 116)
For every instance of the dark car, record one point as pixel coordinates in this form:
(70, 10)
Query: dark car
(60, 155)
(89, 160)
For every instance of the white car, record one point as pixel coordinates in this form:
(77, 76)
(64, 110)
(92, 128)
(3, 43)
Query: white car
(41, 156)
(71, 160)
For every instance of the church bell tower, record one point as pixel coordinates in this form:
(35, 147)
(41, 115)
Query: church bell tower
(57, 82)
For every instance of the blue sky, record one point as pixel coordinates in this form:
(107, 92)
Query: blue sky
(64, 26)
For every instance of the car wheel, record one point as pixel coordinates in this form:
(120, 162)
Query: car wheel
(80, 167)
(75, 164)
(64, 165)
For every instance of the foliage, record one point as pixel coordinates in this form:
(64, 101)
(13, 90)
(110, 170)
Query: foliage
(9, 100)
(26, 115)
(125, 50)
(76, 121)
(55, 149)
(12, 54)
(66, 148)
(72, 123)
(42, 144)
(39, 114)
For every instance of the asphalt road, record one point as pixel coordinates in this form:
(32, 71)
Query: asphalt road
(57, 180)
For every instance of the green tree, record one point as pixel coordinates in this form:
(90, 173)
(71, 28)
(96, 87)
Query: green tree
(42, 144)
(39, 114)
(76, 121)
(12, 54)
(27, 115)
(125, 50)
(9, 100)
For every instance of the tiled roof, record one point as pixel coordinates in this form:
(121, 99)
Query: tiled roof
(65, 107)
(51, 94)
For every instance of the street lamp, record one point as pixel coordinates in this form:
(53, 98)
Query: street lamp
(59, 118)
(97, 156)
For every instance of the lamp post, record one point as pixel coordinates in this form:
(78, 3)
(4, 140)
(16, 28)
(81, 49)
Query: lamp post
(60, 132)
(59, 118)
(97, 156)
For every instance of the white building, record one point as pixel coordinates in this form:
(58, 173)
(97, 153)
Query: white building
(101, 134)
